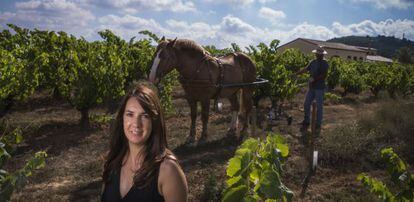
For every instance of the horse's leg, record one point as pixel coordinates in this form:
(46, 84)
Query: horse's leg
(247, 96)
(235, 106)
(193, 109)
(205, 108)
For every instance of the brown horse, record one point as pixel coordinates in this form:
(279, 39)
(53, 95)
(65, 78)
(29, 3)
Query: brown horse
(202, 76)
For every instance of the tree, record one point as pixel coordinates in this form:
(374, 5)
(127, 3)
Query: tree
(405, 55)
(94, 74)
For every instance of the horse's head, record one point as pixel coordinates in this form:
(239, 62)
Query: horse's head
(164, 60)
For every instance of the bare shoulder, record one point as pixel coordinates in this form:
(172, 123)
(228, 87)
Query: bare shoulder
(170, 166)
(172, 183)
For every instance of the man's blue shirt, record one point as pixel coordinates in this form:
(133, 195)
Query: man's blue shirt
(317, 68)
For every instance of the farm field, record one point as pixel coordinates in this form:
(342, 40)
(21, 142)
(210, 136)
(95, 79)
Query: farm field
(75, 156)
(59, 94)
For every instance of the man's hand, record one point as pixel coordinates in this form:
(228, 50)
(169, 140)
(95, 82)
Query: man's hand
(301, 71)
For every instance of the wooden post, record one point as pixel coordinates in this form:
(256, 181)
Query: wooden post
(313, 122)
(312, 154)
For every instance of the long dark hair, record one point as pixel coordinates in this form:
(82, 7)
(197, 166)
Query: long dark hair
(155, 149)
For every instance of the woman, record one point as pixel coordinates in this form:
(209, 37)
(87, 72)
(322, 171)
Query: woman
(139, 167)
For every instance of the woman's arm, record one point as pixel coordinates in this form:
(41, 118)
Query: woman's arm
(171, 182)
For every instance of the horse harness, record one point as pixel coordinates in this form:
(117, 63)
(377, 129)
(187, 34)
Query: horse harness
(206, 83)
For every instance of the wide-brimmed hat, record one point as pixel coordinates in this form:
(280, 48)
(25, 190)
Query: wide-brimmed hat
(320, 51)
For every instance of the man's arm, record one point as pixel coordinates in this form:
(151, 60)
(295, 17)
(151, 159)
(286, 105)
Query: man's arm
(305, 69)
(302, 71)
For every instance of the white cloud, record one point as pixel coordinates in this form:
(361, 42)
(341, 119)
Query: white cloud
(266, 1)
(50, 14)
(233, 3)
(134, 6)
(385, 4)
(311, 31)
(273, 16)
(233, 29)
(231, 24)
(73, 17)
(388, 27)
(238, 3)
(128, 26)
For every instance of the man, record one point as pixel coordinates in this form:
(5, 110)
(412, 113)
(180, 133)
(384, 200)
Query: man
(318, 70)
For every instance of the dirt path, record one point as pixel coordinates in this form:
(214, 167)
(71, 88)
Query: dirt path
(75, 157)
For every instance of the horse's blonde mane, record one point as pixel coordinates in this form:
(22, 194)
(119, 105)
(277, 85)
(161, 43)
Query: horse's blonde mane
(185, 44)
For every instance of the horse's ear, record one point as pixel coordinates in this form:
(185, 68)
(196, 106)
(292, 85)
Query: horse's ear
(162, 39)
(171, 44)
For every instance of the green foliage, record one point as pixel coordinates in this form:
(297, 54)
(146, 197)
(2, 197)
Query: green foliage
(335, 65)
(283, 87)
(101, 118)
(19, 66)
(351, 79)
(277, 68)
(137, 59)
(332, 97)
(376, 187)
(356, 76)
(165, 88)
(98, 75)
(400, 80)
(293, 59)
(150, 34)
(235, 47)
(254, 173)
(10, 181)
(400, 176)
(217, 52)
(405, 55)
(377, 77)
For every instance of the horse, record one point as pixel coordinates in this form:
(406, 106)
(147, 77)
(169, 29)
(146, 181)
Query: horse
(203, 76)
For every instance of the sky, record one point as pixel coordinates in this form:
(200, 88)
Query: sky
(214, 22)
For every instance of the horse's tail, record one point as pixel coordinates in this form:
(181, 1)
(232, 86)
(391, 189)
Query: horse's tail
(242, 102)
(246, 93)
(248, 67)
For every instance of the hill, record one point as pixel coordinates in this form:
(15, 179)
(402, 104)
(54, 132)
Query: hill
(386, 45)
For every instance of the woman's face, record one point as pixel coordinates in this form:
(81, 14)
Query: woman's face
(137, 123)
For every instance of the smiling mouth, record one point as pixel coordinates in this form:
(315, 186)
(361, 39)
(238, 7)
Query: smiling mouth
(137, 132)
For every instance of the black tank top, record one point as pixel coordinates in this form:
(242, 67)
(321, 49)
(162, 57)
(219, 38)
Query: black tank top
(112, 193)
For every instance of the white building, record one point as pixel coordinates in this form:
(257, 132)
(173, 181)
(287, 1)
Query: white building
(335, 50)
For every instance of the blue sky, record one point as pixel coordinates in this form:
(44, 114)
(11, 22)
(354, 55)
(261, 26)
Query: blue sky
(213, 22)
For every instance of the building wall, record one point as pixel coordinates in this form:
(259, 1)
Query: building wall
(302, 45)
(347, 54)
(306, 48)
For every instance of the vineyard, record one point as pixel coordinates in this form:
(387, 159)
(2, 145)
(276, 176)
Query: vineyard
(59, 93)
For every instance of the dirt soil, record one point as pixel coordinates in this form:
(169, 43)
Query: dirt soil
(75, 156)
